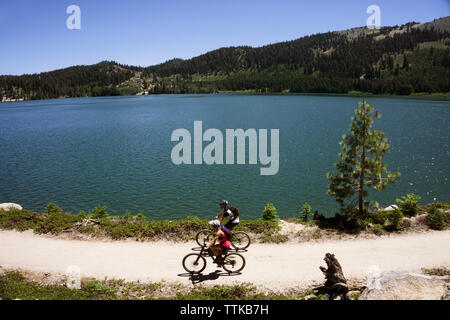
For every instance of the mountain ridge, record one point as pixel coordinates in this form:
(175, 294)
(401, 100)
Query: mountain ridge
(407, 59)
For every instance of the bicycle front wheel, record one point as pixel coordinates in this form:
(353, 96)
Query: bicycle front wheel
(233, 262)
(240, 241)
(194, 263)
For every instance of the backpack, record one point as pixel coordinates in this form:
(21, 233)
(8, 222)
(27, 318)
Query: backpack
(235, 211)
(227, 232)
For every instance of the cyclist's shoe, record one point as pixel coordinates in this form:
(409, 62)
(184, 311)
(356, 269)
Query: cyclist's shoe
(220, 261)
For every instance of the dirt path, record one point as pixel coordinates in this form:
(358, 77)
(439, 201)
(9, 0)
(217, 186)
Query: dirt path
(274, 266)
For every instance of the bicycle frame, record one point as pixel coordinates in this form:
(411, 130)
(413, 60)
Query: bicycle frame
(224, 259)
(202, 251)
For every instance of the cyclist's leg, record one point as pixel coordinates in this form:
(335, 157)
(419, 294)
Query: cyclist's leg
(215, 250)
(224, 252)
(221, 255)
(230, 225)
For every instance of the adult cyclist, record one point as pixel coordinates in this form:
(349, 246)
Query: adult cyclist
(228, 211)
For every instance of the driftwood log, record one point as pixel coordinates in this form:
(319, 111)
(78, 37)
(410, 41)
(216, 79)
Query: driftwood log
(335, 284)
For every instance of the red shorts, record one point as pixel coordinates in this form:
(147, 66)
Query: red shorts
(226, 244)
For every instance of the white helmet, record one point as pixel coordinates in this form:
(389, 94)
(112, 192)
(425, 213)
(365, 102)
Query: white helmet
(215, 223)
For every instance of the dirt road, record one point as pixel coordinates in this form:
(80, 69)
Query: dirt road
(274, 266)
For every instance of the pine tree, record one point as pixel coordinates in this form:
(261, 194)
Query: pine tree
(361, 163)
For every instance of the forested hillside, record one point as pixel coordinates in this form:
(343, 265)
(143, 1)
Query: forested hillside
(408, 59)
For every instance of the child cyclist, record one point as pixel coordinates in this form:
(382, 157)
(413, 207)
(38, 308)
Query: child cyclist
(224, 236)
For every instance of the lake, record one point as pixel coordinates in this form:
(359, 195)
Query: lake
(116, 151)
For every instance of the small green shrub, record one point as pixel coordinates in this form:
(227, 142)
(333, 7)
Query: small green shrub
(127, 216)
(379, 217)
(408, 204)
(56, 222)
(19, 220)
(378, 229)
(394, 217)
(436, 218)
(82, 214)
(270, 213)
(99, 212)
(305, 214)
(53, 208)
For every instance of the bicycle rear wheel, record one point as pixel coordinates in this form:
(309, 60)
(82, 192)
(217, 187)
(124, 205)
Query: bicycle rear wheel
(201, 235)
(240, 240)
(233, 262)
(194, 263)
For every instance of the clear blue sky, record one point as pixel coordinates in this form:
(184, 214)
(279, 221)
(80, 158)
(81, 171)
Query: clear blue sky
(34, 37)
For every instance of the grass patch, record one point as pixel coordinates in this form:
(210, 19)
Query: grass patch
(317, 234)
(274, 237)
(99, 290)
(442, 271)
(257, 226)
(98, 223)
(123, 228)
(309, 223)
(13, 285)
(221, 292)
(355, 295)
(441, 205)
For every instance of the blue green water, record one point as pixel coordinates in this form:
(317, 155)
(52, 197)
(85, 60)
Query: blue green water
(115, 151)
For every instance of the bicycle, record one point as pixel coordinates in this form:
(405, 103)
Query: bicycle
(196, 262)
(240, 240)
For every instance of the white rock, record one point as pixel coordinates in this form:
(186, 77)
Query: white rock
(405, 286)
(10, 206)
(391, 207)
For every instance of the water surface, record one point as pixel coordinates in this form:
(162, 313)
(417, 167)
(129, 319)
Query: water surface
(115, 151)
